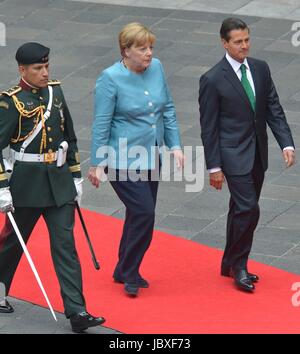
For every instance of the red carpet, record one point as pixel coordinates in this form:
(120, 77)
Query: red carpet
(186, 293)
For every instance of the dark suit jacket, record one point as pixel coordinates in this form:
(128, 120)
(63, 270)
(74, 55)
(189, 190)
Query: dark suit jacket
(230, 129)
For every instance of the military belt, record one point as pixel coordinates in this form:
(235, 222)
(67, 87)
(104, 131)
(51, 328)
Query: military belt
(48, 157)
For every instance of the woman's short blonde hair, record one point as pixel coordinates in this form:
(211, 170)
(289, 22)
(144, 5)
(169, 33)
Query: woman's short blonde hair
(135, 34)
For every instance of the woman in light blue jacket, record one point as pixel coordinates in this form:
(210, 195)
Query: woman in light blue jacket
(134, 117)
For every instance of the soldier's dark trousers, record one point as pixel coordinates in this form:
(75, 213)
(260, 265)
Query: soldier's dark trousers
(60, 223)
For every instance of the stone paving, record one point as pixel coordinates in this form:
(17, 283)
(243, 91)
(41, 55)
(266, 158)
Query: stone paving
(288, 9)
(83, 40)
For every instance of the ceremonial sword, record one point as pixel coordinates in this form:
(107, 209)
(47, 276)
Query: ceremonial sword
(17, 231)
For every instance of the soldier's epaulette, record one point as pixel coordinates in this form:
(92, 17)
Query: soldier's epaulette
(12, 91)
(54, 82)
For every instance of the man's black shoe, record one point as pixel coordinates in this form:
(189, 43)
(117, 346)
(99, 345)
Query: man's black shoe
(242, 281)
(141, 282)
(84, 320)
(131, 289)
(5, 307)
(227, 272)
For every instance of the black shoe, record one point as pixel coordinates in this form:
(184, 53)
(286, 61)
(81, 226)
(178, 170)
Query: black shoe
(5, 307)
(131, 289)
(141, 282)
(253, 277)
(242, 281)
(84, 320)
(227, 272)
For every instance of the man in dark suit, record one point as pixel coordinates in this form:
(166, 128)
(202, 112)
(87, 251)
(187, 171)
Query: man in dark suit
(237, 100)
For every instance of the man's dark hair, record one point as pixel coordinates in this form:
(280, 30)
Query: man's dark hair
(230, 24)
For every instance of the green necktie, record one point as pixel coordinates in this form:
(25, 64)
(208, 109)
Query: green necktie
(247, 87)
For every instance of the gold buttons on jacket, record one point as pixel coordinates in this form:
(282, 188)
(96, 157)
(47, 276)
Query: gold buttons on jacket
(50, 140)
(49, 129)
(34, 90)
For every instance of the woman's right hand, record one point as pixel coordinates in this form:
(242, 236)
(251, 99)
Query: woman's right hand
(95, 175)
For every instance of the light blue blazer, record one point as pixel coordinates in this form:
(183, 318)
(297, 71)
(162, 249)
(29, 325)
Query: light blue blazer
(133, 114)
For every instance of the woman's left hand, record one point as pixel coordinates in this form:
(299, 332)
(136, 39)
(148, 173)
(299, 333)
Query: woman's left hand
(95, 175)
(179, 158)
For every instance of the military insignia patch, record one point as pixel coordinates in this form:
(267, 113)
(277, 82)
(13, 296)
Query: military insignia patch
(57, 103)
(30, 105)
(4, 104)
(54, 82)
(12, 91)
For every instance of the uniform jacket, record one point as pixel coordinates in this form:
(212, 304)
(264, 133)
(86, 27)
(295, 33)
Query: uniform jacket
(37, 184)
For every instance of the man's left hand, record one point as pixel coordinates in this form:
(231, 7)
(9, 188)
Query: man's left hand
(289, 157)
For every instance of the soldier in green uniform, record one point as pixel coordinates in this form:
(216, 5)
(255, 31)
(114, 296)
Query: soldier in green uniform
(46, 179)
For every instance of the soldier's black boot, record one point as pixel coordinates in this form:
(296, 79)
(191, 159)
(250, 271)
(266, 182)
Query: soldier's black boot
(5, 307)
(84, 320)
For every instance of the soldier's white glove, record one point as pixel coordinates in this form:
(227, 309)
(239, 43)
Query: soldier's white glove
(78, 185)
(6, 202)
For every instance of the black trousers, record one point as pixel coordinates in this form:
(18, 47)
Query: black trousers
(243, 215)
(60, 224)
(139, 198)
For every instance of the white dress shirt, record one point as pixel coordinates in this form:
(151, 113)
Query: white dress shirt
(236, 66)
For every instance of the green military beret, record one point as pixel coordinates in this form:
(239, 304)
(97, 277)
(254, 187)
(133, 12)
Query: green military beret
(32, 53)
